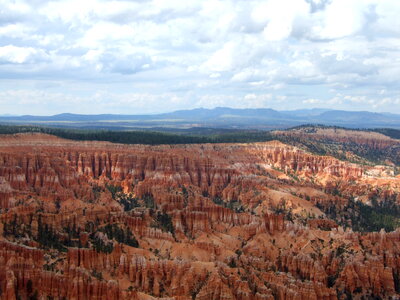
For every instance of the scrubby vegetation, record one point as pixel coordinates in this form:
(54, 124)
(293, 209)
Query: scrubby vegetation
(46, 236)
(232, 204)
(344, 146)
(359, 153)
(393, 133)
(366, 218)
(102, 238)
(164, 222)
(123, 236)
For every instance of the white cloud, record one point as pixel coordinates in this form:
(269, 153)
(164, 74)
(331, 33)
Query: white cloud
(15, 31)
(222, 59)
(279, 17)
(20, 55)
(215, 51)
(341, 18)
(101, 34)
(312, 101)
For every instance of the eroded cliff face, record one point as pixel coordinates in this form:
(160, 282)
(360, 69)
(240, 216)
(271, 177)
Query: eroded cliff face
(95, 220)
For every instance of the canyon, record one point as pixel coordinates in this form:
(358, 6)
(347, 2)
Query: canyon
(267, 220)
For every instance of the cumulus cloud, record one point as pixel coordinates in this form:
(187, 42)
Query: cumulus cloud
(283, 54)
(20, 55)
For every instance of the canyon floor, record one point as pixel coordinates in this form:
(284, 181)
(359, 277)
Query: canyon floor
(97, 220)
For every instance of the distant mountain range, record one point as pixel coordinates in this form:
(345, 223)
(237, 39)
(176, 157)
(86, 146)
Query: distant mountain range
(220, 117)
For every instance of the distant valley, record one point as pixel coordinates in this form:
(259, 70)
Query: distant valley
(220, 117)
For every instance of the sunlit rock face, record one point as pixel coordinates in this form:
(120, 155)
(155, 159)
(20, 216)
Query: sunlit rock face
(95, 220)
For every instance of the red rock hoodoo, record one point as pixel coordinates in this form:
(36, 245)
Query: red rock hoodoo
(96, 220)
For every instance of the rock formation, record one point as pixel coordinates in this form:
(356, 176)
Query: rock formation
(96, 220)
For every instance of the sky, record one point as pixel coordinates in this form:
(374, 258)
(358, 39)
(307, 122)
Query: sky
(152, 56)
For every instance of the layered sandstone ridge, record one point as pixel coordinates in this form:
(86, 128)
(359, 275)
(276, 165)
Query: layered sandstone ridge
(59, 163)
